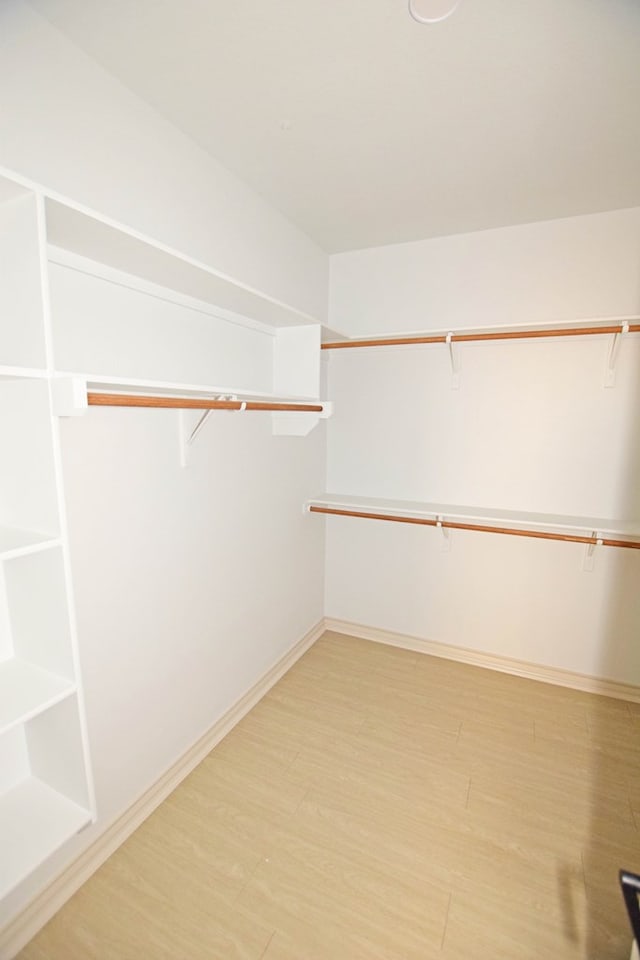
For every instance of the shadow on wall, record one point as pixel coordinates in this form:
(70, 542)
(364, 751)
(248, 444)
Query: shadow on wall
(614, 729)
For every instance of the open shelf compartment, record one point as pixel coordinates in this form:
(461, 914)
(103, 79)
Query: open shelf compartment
(27, 690)
(43, 794)
(28, 497)
(15, 542)
(36, 660)
(22, 341)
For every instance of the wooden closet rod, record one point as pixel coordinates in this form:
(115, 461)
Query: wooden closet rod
(472, 337)
(482, 528)
(195, 403)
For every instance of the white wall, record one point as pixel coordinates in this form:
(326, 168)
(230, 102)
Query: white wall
(531, 428)
(69, 125)
(189, 582)
(558, 270)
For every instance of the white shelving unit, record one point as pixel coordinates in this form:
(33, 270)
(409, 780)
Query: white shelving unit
(89, 304)
(45, 789)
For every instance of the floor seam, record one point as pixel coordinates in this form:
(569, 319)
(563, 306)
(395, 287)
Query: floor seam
(446, 921)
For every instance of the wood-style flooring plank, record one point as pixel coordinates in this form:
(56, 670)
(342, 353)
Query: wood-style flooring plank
(379, 804)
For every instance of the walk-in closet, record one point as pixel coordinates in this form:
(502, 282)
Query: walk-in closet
(320, 486)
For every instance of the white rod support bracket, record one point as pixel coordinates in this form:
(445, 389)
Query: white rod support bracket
(455, 367)
(445, 542)
(187, 431)
(589, 561)
(69, 396)
(198, 427)
(612, 356)
(188, 434)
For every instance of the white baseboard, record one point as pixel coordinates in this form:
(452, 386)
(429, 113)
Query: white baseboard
(519, 668)
(17, 933)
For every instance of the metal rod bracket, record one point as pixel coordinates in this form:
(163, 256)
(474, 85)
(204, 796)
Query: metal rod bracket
(445, 542)
(612, 356)
(454, 360)
(589, 561)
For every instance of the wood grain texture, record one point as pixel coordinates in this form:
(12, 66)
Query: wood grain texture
(379, 804)
(195, 403)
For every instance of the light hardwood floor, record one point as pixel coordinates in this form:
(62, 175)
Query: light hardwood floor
(379, 804)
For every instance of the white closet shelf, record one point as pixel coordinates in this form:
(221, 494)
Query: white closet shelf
(19, 373)
(507, 519)
(81, 232)
(27, 690)
(15, 542)
(35, 821)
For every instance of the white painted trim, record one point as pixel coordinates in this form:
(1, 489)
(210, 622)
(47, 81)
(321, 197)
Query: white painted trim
(17, 933)
(518, 668)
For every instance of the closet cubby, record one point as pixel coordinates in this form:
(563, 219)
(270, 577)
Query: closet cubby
(36, 660)
(28, 489)
(44, 798)
(22, 339)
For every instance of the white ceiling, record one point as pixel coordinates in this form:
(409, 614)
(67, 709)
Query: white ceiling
(364, 127)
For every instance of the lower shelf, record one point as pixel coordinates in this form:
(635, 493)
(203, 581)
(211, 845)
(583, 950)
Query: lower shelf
(35, 821)
(15, 542)
(26, 690)
(623, 533)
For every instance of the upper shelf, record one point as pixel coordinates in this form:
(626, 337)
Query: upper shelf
(481, 517)
(122, 249)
